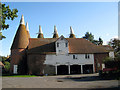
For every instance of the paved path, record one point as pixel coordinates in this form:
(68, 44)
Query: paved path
(63, 81)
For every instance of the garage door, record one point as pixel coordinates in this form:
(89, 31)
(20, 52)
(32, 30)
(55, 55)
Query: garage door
(75, 69)
(87, 68)
(62, 70)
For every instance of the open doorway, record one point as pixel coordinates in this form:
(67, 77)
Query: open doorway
(75, 69)
(87, 68)
(62, 70)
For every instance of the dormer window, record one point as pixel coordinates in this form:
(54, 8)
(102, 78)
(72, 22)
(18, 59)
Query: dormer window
(61, 38)
(57, 44)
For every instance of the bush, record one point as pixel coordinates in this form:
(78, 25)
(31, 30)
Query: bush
(107, 59)
(6, 68)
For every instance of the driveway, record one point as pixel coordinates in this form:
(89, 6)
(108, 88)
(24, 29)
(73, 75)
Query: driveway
(63, 81)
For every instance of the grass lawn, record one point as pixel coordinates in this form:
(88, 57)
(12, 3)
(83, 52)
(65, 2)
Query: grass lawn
(19, 76)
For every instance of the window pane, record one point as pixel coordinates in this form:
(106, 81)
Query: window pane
(73, 56)
(86, 56)
(76, 56)
(57, 44)
(66, 44)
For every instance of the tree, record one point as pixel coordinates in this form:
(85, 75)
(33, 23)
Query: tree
(7, 14)
(107, 59)
(7, 66)
(100, 41)
(88, 36)
(115, 43)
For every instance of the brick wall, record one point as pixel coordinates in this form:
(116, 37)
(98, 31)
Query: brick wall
(35, 63)
(49, 69)
(18, 57)
(98, 58)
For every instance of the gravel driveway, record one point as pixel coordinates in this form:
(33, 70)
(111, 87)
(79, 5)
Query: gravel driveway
(63, 81)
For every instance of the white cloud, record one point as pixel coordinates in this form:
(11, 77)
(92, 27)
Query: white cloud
(105, 42)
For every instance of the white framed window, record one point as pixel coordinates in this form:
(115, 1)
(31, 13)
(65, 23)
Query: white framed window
(15, 69)
(87, 56)
(61, 38)
(75, 57)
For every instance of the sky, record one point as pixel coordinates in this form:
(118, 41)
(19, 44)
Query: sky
(99, 18)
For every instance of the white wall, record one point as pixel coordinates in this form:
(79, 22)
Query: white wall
(62, 49)
(64, 59)
(111, 54)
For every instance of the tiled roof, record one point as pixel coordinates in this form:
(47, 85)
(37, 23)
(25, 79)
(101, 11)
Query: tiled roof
(21, 38)
(80, 45)
(42, 45)
(76, 45)
(107, 47)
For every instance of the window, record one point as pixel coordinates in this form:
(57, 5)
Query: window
(66, 44)
(15, 69)
(74, 56)
(87, 56)
(61, 38)
(57, 44)
(60, 50)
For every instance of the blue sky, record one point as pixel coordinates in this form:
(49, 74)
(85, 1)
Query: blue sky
(99, 18)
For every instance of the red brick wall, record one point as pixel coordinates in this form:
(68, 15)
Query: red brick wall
(36, 63)
(18, 57)
(98, 58)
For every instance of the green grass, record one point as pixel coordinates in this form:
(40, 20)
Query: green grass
(19, 76)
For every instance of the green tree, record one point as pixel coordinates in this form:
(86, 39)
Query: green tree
(90, 37)
(115, 43)
(96, 42)
(4, 59)
(107, 59)
(100, 41)
(7, 66)
(6, 14)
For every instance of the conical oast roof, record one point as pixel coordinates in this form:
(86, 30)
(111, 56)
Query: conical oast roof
(40, 33)
(55, 35)
(27, 28)
(21, 38)
(72, 35)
